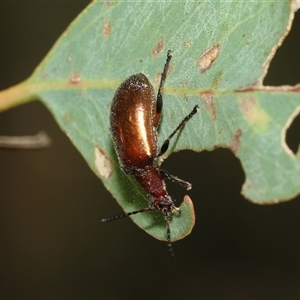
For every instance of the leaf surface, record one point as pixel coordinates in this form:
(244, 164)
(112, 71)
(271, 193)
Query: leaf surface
(221, 51)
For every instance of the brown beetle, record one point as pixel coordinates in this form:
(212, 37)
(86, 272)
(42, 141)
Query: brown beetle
(134, 118)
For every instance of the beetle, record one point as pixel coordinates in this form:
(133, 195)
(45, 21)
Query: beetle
(134, 117)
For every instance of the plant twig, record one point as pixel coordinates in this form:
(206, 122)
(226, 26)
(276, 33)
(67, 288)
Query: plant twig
(39, 141)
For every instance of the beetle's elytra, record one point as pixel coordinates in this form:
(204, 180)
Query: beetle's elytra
(134, 118)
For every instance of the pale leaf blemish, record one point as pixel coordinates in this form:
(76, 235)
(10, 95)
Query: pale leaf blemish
(159, 46)
(286, 126)
(254, 114)
(216, 81)
(236, 142)
(208, 100)
(187, 44)
(106, 29)
(208, 57)
(184, 83)
(75, 78)
(103, 163)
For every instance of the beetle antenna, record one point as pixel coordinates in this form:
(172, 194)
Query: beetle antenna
(167, 218)
(164, 73)
(159, 102)
(169, 243)
(127, 214)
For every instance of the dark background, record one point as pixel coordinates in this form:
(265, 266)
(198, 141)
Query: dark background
(52, 243)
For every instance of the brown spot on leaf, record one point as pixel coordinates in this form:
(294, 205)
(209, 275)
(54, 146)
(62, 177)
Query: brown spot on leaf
(208, 57)
(75, 78)
(169, 70)
(103, 163)
(208, 100)
(236, 142)
(158, 47)
(248, 104)
(106, 29)
(68, 117)
(107, 4)
(217, 80)
(158, 75)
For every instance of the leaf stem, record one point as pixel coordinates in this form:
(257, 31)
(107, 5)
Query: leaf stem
(16, 95)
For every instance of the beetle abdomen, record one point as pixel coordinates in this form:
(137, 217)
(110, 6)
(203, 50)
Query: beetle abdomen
(131, 122)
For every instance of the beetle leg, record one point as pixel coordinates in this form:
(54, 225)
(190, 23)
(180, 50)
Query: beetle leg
(166, 143)
(175, 179)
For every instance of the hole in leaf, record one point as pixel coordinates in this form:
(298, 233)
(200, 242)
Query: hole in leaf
(292, 137)
(214, 174)
(285, 65)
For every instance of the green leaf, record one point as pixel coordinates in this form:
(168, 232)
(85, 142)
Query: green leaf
(221, 52)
